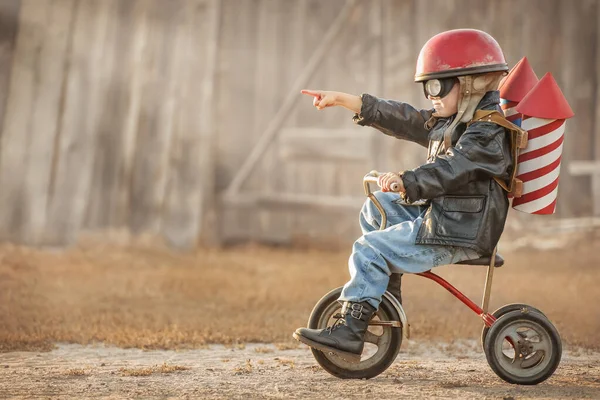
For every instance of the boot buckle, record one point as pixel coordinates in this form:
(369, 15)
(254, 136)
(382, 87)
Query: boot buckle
(356, 310)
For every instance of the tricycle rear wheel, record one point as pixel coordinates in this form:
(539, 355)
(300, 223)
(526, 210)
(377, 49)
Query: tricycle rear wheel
(523, 348)
(504, 310)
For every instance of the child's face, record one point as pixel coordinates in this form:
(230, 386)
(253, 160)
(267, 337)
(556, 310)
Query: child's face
(447, 105)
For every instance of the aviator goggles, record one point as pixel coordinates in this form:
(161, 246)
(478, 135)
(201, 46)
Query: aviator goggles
(438, 87)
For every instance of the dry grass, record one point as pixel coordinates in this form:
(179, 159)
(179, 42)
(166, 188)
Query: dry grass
(167, 369)
(263, 350)
(136, 371)
(76, 372)
(246, 368)
(285, 362)
(153, 298)
(452, 384)
(155, 369)
(287, 345)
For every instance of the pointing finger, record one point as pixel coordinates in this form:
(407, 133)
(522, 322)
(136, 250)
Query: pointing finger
(313, 93)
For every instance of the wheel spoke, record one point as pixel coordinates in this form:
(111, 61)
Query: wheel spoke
(529, 334)
(532, 361)
(513, 337)
(540, 346)
(370, 337)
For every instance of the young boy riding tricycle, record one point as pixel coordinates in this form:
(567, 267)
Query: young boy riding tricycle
(451, 209)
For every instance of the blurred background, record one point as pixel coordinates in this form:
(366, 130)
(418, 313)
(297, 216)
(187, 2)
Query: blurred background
(182, 121)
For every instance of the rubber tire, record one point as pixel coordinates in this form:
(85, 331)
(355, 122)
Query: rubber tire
(503, 310)
(371, 372)
(541, 320)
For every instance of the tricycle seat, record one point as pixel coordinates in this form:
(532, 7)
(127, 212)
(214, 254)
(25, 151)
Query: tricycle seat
(484, 261)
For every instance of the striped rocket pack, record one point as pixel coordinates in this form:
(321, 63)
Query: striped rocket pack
(544, 111)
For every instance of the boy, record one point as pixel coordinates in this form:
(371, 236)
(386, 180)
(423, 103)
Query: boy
(449, 209)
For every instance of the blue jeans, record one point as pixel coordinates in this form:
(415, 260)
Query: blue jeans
(379, 253)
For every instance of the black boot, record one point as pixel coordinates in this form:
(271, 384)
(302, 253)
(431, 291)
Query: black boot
(395, 286)
(346, 337)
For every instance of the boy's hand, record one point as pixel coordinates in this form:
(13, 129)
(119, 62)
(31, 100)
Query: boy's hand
(386, 180)
(322, 99)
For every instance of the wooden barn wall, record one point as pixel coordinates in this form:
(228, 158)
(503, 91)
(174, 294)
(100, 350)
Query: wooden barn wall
(102, 128)
(137, 115)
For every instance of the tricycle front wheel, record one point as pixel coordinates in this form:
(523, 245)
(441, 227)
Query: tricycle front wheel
(382, 343)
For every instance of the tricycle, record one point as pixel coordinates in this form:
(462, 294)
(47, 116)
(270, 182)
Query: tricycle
(520, 343)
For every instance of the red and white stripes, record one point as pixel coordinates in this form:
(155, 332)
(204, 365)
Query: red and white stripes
(539, 165)
(544, 110)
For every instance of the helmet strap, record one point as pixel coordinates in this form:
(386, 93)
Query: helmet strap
(472, 90)
(464, 99)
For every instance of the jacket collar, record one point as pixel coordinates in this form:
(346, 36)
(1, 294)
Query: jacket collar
(490, 99)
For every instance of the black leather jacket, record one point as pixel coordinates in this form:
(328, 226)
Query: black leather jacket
(467, 207)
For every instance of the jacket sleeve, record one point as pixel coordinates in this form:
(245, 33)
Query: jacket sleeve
(394, 118)
(482, 152)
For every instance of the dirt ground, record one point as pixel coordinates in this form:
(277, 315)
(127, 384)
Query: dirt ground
(422, 370)
(140, 320)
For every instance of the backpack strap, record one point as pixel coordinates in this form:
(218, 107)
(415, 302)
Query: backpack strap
(518, 141)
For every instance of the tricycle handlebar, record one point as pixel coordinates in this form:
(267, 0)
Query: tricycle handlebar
(372, 177)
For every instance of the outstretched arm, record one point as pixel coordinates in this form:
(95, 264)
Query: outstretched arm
(323, 99)
(393, 118)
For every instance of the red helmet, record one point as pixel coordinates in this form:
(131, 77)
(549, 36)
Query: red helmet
(459, 52)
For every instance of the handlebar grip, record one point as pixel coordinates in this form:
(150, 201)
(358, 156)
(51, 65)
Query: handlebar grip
(372, 177)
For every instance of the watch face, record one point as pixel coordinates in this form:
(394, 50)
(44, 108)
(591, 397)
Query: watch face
(438, 87)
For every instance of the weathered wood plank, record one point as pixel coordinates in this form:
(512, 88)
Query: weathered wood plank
(584, 167)
(319, 14)
(235, 113)
(291, 171)
(210, 229)
(105, 208)
(79, 118)
(32, 122)
(9, 22)
(596, 129)
(122, 203)
(155, 118)
(324, 144)
(273, 53)
(15, 132)
(191, 175)
(578, 31)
